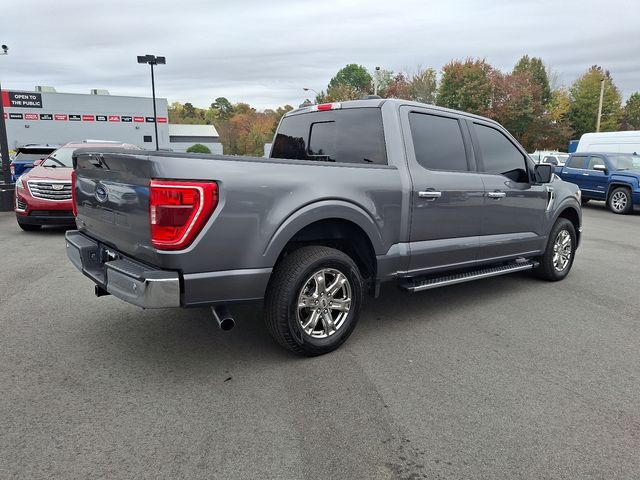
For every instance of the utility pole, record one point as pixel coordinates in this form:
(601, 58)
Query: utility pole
(600, 104)
(376, 80)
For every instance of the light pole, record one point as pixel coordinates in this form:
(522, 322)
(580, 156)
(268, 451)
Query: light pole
(153, 60)
(6, 187)
(600, 104)
(376, 81)
(307, 89)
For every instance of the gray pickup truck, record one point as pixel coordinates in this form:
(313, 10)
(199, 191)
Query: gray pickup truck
(353, 195)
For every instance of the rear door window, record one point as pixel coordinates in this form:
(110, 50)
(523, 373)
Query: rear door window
(352, 135)
(438, 142)
(577, 161)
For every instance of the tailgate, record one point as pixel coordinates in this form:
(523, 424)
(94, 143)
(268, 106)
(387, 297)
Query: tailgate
(112, 196)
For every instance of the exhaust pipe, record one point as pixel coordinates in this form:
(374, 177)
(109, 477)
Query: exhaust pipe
(223, 317)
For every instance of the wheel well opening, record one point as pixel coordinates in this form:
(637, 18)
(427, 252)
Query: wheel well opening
(571, 215)
(342, 235)
(614, 186)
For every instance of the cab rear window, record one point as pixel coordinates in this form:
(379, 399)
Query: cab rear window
(351, 135)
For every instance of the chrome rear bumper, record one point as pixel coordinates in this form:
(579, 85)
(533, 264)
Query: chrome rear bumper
(122, 277)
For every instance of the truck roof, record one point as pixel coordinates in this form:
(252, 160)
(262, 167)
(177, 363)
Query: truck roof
(378, 102)
(596, 152)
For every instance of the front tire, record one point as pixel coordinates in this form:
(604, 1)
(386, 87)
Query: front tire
(620, 201)
(558, 257)
(313, 300)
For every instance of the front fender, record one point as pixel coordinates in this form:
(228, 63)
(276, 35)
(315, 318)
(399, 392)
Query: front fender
(622, 181)
(323, 210)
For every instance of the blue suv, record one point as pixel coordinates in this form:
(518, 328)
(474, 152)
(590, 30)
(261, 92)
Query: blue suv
(613, 177)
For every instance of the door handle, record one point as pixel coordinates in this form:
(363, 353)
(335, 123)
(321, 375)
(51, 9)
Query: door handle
(496, 194)
(586, 174)
(429, 194)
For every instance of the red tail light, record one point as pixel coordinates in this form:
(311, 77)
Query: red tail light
(73, 193)
(178, 211)
(12, 169)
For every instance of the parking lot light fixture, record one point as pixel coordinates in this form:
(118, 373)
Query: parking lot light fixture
(307, 89)
(153, 60)
(6, 187)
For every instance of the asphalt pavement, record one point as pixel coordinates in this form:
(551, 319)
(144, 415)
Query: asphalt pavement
(505, 378)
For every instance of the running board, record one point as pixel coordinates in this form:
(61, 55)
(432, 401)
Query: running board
(417, 285)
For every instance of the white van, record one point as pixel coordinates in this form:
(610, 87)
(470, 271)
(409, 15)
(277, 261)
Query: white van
(618, 142)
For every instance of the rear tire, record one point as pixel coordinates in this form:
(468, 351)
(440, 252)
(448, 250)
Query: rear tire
(620, 201)
(558, 257)
(305, 315)
(28, 227)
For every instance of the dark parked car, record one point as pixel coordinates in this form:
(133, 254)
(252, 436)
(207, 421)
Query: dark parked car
(23, 160)
(353, 195)
(613, 177)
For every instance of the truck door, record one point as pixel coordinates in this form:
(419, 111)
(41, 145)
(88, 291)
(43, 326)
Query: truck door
(447, 192)
(514, 208)
(574, 170)
(594, 183)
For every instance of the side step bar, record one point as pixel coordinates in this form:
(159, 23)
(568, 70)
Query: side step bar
(419, 284)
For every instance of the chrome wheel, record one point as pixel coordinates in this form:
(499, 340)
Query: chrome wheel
(562, 249)
(619, 201)
(324, 303)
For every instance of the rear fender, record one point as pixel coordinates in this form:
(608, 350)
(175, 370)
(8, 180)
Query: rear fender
(323, 210)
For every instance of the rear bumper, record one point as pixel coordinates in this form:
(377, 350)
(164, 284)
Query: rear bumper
(122, 277)
(150, 287)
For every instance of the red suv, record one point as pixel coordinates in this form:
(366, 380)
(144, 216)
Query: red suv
(43, 195)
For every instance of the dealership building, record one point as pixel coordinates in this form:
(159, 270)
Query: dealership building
(46, 116)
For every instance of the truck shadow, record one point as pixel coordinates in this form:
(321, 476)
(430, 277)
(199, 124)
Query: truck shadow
(189, 341)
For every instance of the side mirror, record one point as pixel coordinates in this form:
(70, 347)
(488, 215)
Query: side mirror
(600, 168)
(38, 162)
(543, 173)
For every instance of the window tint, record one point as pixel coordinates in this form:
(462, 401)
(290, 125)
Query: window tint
(352, 135)
(576, 162)
(499, 155)
(593, 161)
(322, 141)
(625, 162)
(438, 142)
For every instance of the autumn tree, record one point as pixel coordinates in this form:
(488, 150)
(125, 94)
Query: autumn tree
(632, 112)
(535, 67)
(516, 103)
(398, 87)
(338, 93)
(585, 94)
(419, 87)
(559, 105)
(276, 115)
(423, 86)
(466, 85)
